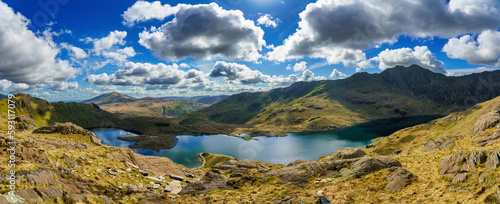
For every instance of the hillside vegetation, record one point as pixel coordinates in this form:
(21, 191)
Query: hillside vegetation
(154, 107)
(323, 105)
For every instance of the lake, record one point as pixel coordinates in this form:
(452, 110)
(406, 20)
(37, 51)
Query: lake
(307, 146)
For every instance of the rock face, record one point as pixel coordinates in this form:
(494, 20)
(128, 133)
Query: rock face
(461, 162)
(348, 153)
(66, 129)
(399, 179)
(438, 144)
(173, 187)
(29, 195)
(213, 180)
(487, 121)
(493, 161)
(41, 176)
(490, 139)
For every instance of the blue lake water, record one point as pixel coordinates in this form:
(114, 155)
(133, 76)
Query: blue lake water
(280, 150)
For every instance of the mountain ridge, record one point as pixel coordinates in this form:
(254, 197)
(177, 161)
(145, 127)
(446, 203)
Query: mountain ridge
(332, 104)
(112, 97)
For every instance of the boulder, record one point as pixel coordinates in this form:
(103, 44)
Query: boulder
(173, 187)
(366, 165)
(490, 139)
(487, 121)
(213, 180)
(69, 160)
(399, 179)
(461, 162)
(35, 155)
(460, 178)
(348, 153)
(493, 160)
(438, 144)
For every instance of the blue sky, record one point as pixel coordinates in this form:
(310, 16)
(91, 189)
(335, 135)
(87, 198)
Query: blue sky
(74, 50)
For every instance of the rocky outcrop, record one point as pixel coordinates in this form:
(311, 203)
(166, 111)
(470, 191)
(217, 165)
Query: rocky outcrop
(367, 165)
(360, 166)
(493, 161)
(490, 139)
(493, 198)
(24, 122)
(213, 180)
(66, 129)
(459, 178)
(461, 162)
(49, 193)
(41, 176)
(438, 144)
(174, 187)
(348, 153)
(399, 179)
(486, 121)
(29, 195)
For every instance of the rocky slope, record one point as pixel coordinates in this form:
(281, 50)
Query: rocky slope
(323, 105)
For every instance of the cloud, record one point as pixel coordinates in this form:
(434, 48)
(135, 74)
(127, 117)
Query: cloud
(238, 73)
(120, 55)
(28, 59)
(336, 74)
(205, 31)
(485, 50)
(75, 52)
(6, 85)
(268, 21)
(143, 11)
(299, 67)
(63, 86)
(114, 38)
(406, 56)
(337, 30)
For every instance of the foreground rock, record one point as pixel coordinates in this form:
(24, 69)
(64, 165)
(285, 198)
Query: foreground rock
(66, 129)
(399, 179)
(368, 164)
(461, 162)
(213, 180)
(493, 161)
(24, 122)
(486, 121)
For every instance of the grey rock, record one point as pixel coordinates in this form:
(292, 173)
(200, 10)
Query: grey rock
(490, 139)
(348, 153)
(487, 121)
(173, 187)
(399, 179)
(461, 162)
(493, 160)
(438, 144)
(212, 180)
(41, 176)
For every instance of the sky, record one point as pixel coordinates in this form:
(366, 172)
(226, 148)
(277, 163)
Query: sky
(68, 50)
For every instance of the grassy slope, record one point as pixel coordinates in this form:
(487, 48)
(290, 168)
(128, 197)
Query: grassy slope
(112, 97)
(153, 107)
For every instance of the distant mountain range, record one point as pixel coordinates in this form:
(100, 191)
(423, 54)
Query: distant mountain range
(3, 96)
(209, 100)
(330, 104)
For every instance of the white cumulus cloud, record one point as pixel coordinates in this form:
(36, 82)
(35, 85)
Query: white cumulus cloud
(420, 55)
(268, 21)
(485, 50)
(205, 31)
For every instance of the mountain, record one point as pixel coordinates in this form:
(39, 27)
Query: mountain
(331, 104)
(112, 97)
(156, 107)
(3, 96)
(209, 100)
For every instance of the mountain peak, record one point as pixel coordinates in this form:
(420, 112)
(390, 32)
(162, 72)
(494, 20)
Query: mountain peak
(112, 97)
